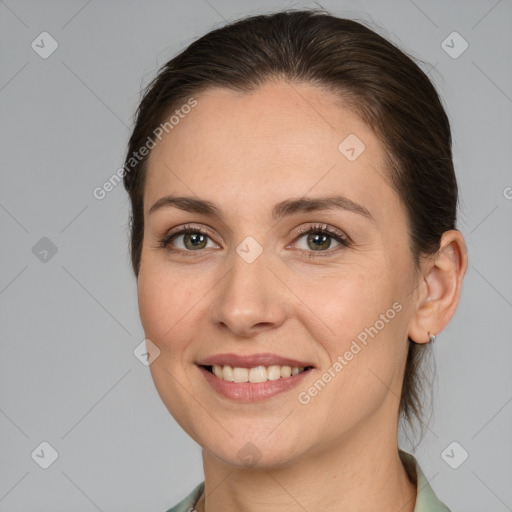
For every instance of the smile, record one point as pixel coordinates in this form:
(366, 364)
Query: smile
(246, 391)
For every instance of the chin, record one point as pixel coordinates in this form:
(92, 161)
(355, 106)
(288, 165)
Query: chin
(253, 452)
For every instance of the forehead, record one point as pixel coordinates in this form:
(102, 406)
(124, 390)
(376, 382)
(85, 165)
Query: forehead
(281, 140)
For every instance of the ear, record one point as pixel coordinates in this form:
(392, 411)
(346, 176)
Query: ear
(439, 291)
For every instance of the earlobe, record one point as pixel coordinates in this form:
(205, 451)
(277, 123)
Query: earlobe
(442, 285)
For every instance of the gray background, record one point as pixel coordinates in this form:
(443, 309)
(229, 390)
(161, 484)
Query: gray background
(69, 324)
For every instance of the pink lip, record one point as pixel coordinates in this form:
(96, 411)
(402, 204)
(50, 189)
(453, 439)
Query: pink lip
(249, 391)
(251, 361)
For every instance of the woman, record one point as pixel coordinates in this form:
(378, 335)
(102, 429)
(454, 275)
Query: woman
(293, 238)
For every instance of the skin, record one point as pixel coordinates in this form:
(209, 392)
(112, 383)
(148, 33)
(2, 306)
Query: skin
(245, 152)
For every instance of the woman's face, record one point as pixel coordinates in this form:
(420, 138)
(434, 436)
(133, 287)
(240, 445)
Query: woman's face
(253, 284)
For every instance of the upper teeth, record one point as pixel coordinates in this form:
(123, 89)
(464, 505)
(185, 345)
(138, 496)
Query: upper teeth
(257, 374)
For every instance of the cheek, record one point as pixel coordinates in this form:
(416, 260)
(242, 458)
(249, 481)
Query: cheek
(362, 319)
(159, 305)
(347, 300)
(172, 306)
(162, 308)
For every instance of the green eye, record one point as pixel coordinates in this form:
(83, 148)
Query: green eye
(193, 239)
(319, 240)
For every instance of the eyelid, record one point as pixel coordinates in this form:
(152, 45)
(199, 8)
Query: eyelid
(187, 227)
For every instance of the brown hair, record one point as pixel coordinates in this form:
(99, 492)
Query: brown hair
(382, 84)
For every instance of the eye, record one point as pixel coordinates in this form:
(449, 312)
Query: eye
(186, 239)
(318, 239)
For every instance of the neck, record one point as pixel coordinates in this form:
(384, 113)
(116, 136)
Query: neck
(362, 472)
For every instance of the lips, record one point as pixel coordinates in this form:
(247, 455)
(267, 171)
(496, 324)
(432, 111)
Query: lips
(247, 392)
(251, 361)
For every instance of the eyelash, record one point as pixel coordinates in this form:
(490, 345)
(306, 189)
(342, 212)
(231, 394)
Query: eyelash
(317, 228)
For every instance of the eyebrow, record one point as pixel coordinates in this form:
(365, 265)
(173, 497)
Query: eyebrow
(279, 210)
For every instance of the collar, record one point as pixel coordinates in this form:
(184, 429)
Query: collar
(426, 500)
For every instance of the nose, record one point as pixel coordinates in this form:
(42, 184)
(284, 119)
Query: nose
(250, 299)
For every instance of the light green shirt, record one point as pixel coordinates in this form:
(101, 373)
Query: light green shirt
(426, 500)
